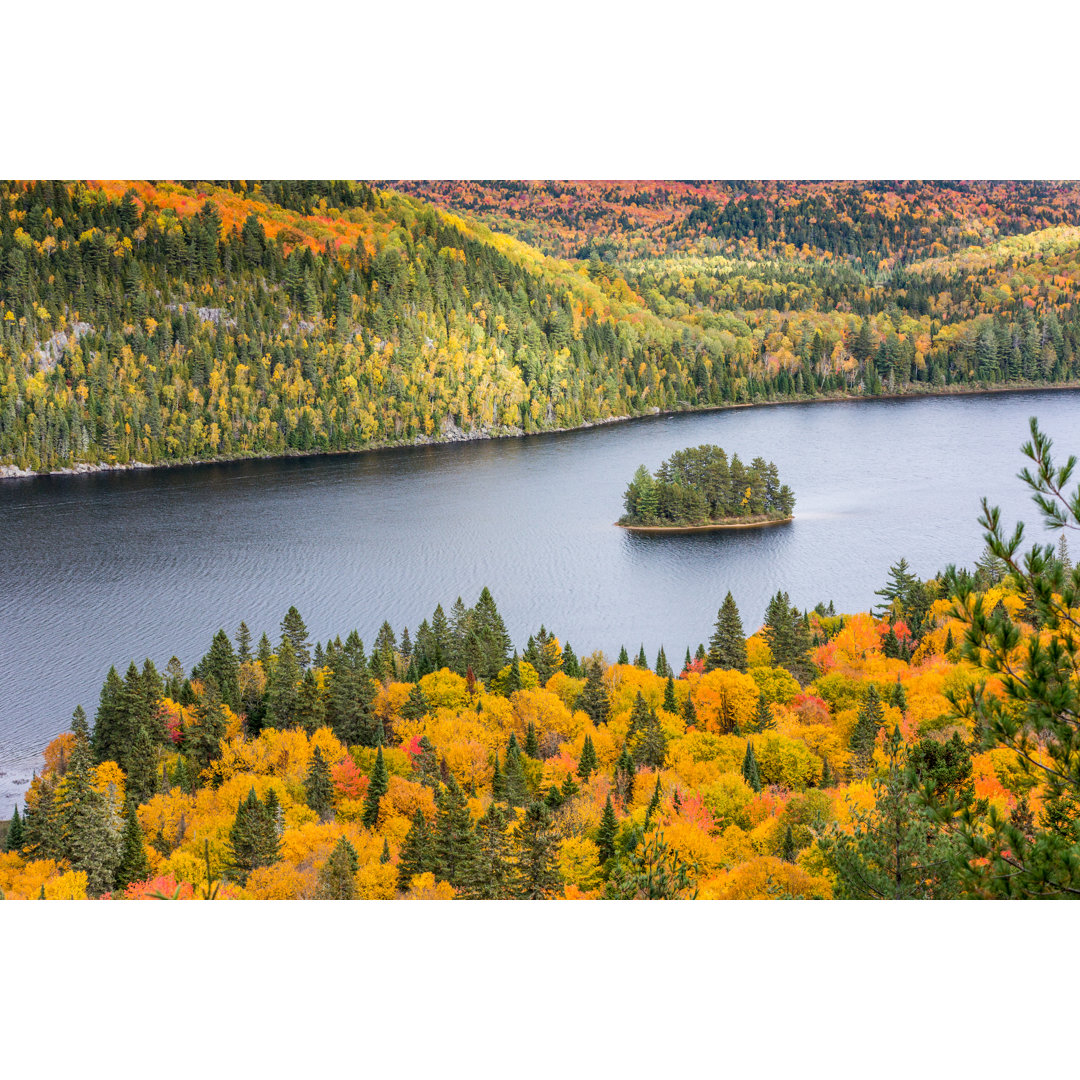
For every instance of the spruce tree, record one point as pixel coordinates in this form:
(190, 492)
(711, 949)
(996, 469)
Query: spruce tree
(642, 661)
(384, 855)
(535, 846)
(295, 632)
(142, 778)
(763, 717)
(90, 839)
(624, 777)
(727, 646)
(14, 839)
(623, 656)
(337, 876)
(865, 732)
(654, 802)
(587, 764)
(532, 742)
(310, 706)
(671, 705)
(221, 664)
(454, 839)
(514, 782)
(607, 832)
(318, 787)
(488, 874)
(416, 704)
(378, 785)
(689, 712)
(593, 699)
(109, 734)
(417, 855)
(283, 687)
(243, 644)
(571, 665)
(662, 668)
(202, 742)
(134, 865)
(750, 767)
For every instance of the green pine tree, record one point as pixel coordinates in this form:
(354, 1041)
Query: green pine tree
(727, 646)
(454, 838)
(318, 787)
(15, 835)
(535, 846)
(337, 876)
(750, 767)
(608, 830)
(488, 875)
(417, 855)
(378, 785)
(134, 865)
(587, 763)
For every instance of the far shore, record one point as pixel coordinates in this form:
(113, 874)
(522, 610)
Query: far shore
(10, 471)
(714, 526)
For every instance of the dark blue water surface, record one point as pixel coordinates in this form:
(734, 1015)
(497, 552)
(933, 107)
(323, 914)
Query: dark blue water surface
(103, 568)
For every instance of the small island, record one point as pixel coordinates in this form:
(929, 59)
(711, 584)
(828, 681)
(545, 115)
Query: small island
(698, 489)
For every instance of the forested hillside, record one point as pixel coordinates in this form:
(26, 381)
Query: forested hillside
(187, 321)
(924, 750)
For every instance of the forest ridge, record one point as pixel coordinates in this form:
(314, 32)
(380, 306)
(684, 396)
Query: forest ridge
(186, 321)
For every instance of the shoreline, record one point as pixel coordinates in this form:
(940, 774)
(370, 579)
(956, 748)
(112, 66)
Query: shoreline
(14, 472)
(715, 526)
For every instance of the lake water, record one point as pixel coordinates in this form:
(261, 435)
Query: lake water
(100, 569)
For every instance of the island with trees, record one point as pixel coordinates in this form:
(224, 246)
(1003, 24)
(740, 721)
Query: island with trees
(699, 489)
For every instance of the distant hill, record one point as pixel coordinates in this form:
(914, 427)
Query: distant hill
(185, 321)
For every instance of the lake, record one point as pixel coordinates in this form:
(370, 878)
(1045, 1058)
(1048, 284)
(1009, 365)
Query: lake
(103, 568)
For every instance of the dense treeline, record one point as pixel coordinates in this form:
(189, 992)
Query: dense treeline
(173, 322)
(699, 486)
(921, 751)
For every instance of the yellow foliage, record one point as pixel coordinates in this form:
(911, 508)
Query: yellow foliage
(769, 878)
(425, 887)
(579, 863)
(405, 797)
(727, 799)
(758, 653)
(734, 847)
(723, 699)
(547, 712)
(376, 881)
(444, 689)
(777, 684)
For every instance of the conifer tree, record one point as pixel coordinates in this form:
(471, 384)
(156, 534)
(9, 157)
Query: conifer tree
(641, 661)
(384, 855)
(454, 838)
(243, 644)
(650, 745)
(253, 838)
(605, 836)
(202, 742)
(727, 646)
(310, 707)
(536, 874)
(662, 668)
(134, 865)
(425, 765)
(571, 665)
(493, 640)
(898, 697)
(294, 630)
(221, 664)
(415, 704)
(488, 875)
(378, 785)
(865, 732)
(514, 782)
(787, 851)
(588, 763)
(108, 739)
(689, 712)
(318, 787)
(283, 687)
(337, 876)
(532, 743)
(763, 717)
(89, 839)
(624, 777)
(654, 802)
(142, 778)
(593, 699)
(14, 839)
(41, 822)
(750, 770)
(417, 855)
(623, 657)
(671, 705)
